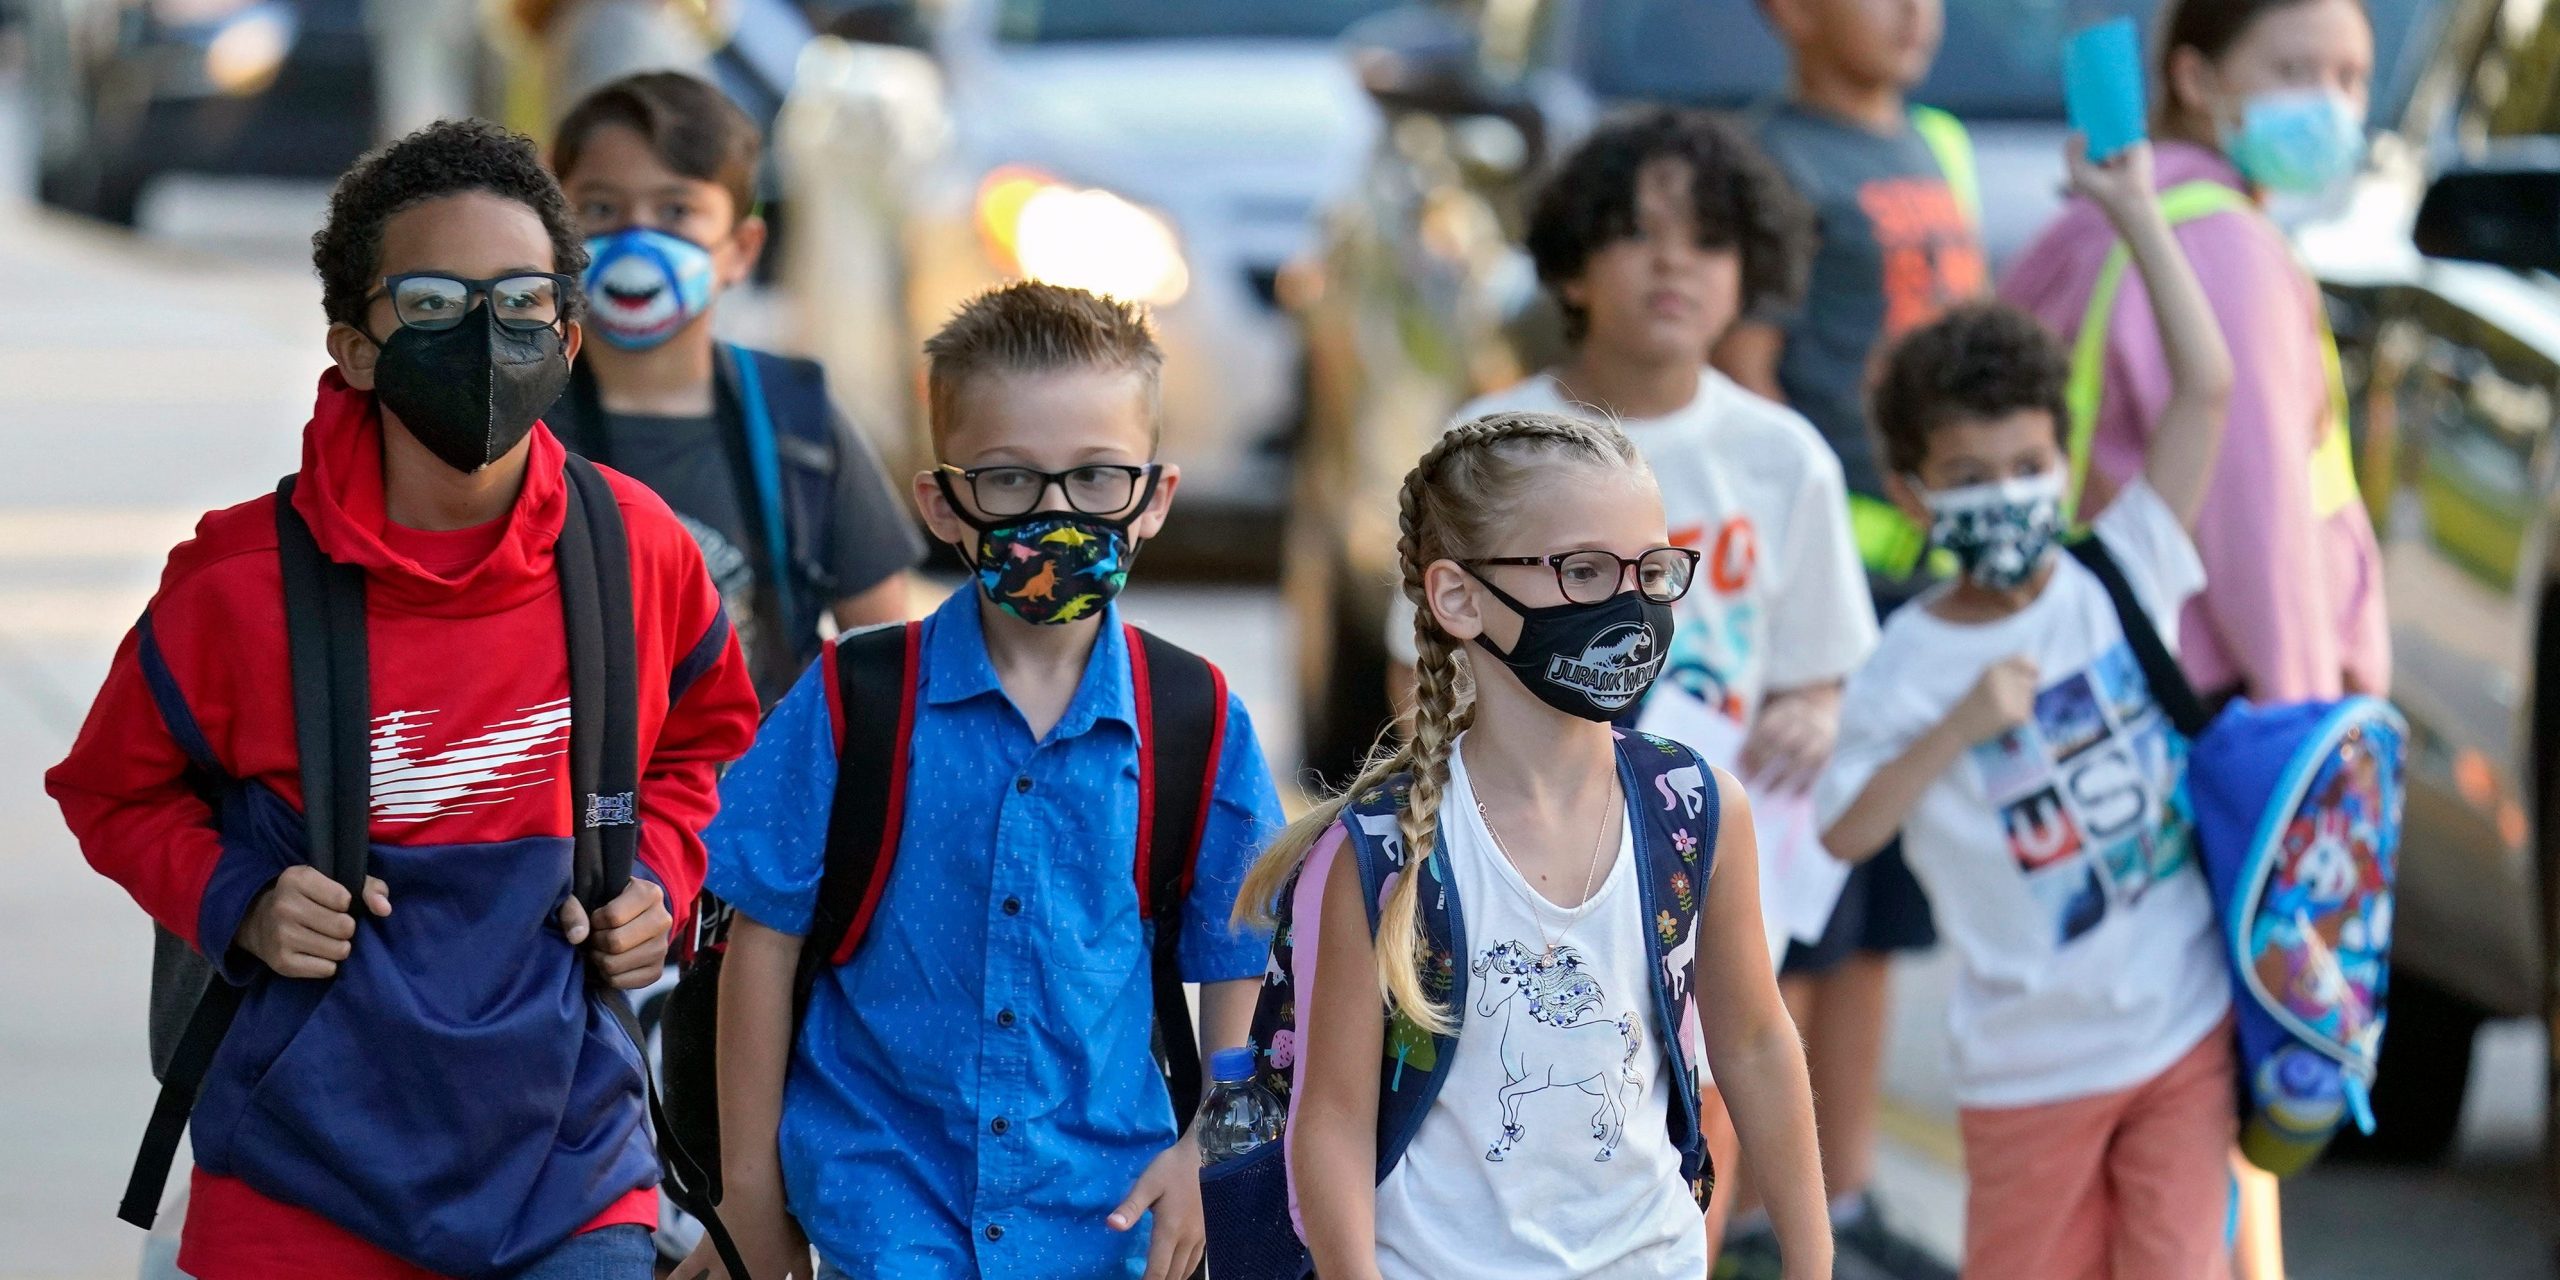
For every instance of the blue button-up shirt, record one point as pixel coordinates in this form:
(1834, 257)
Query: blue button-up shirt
(974, 1092)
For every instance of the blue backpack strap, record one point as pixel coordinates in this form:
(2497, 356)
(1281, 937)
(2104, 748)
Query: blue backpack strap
(1415, 1061)
(1683, 809)
(764, 461)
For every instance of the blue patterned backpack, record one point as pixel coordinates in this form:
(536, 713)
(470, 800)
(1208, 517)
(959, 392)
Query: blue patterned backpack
(2297, 819)
(1247, 1198)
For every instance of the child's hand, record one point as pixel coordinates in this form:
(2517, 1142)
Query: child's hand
(2003, 699)
(1791, 739)
(629, 938)
(300, 926)
(2120, 186)
(1171, 1188)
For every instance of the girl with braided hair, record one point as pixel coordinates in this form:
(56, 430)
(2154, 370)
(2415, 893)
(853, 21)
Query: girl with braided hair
(1511, 822)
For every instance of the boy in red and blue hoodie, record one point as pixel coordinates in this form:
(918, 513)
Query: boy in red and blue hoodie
(451, 1099)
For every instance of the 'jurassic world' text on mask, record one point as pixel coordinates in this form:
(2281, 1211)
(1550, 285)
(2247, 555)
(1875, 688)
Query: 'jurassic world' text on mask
(1587, 660)
(470, 393)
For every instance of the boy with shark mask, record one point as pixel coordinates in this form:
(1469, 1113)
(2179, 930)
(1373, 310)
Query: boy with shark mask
(792, 509)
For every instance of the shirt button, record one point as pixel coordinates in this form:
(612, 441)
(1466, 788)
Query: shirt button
(999, 1125)
(1004, 1018)
(1022, 785)
(1013, 906)
(995, 1231)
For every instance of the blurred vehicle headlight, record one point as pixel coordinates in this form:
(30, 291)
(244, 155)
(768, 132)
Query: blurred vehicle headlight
(244, 57)
(1040, 228)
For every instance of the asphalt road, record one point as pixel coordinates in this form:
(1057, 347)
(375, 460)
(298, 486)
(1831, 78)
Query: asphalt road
(143, 380)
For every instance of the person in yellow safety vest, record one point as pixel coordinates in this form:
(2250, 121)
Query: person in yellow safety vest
(2256, 97)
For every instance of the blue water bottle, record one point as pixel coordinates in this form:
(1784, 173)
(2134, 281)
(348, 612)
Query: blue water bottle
(2301, 1098)
(1237, 1115)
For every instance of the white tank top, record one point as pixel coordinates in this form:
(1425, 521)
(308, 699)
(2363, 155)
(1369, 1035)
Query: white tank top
(1546, 1154)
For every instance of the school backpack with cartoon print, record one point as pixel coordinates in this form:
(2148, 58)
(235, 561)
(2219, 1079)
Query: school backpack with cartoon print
(2297, 821)
(1246, 1199)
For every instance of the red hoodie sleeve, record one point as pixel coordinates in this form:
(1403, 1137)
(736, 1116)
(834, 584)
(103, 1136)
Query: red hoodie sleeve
(129, 795)
(711, 719)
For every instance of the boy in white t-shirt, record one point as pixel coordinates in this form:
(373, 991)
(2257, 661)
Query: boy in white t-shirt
(2004, 728)
(1654, 235)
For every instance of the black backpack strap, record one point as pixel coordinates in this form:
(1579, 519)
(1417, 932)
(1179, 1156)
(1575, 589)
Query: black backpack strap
(2169, 687)
(876, 673)
(1182, 716)
(593, 556)
(594, 560)
(325, 635)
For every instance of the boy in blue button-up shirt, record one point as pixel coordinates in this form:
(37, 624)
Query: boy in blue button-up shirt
(974, 1093)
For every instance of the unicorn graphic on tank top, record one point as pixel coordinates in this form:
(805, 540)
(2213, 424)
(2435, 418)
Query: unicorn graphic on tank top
(1547, 1044)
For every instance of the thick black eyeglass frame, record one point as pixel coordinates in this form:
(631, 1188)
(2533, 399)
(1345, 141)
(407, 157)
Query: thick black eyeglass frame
(1557, 561)
(482, 290)
(1138, 476)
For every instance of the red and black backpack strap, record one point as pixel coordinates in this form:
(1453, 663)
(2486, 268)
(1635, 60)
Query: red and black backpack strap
(876, 673)
(1181, 701)
(1182, 715)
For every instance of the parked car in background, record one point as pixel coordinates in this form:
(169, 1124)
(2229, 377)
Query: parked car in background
(1172, 152)
(126, 90)
(1421, 296)
(2448, 318)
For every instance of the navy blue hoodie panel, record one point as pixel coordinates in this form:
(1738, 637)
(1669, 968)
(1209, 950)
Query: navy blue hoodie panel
(705, 652)
(467, 1123)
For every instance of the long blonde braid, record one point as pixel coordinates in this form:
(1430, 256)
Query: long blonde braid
(1452, 504)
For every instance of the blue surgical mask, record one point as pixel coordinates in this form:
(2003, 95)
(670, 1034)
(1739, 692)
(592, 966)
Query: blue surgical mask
(2000, 532)
(644, 285)
(2297, 141)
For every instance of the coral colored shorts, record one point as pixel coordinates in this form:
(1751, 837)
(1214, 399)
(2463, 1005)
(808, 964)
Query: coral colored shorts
(2131, 1185)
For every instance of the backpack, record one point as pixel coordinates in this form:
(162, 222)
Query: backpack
(1182, 712)
(2297, 812)
(328, 651)
(784, 458)
(1246, 1199)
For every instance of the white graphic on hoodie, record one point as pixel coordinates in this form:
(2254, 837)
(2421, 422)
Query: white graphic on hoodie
(472, 772)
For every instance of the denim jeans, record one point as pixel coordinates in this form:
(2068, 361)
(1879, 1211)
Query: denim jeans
(612, 1253)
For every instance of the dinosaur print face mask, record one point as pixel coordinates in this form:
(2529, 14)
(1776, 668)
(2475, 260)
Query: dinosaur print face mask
(1053, 567)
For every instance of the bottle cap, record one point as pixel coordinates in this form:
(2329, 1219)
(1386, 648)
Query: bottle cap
(1231, 1066)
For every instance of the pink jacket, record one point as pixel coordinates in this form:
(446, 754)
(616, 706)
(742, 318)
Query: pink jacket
(2292, 606)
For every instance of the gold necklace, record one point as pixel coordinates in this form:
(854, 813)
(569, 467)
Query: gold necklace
(1537, 901)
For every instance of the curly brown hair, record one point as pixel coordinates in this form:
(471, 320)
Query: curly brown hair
(1978, 362)
(1740, 200)
(446, 158)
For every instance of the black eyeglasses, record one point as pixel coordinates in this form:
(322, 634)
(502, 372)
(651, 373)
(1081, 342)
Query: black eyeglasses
(1589, 577)
(1096, 489)
(432, 300)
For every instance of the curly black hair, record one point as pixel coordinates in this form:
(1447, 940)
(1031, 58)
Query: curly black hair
(1978, 362)
(445, 158)
(1741, 199)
